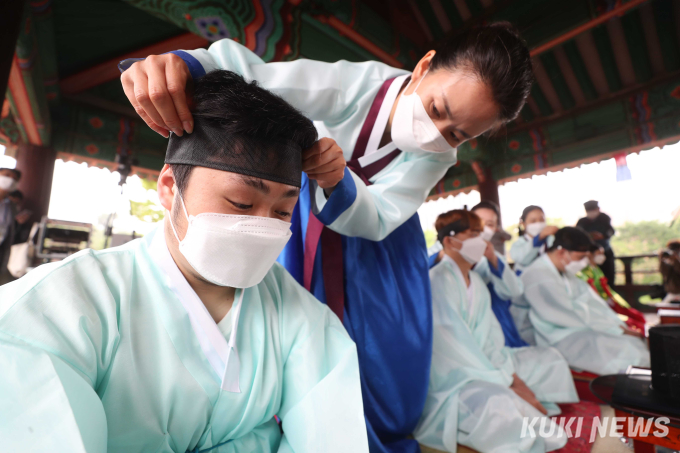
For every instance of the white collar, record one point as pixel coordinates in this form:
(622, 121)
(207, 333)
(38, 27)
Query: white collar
(373, 154)
(470, 290)
(222, 355)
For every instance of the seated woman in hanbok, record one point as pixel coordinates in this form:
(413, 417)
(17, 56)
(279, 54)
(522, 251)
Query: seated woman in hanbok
(569, 315)
(593, 275)
(534, 236)
(480, 390)
(506, 286)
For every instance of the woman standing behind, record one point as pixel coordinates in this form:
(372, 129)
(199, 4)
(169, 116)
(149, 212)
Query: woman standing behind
(534, 236)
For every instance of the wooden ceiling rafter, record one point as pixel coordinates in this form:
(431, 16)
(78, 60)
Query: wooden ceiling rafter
(108, 70)
(628, 91)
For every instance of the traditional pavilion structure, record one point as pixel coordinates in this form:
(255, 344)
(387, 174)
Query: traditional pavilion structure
(607, 71)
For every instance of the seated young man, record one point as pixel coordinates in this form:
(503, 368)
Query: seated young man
(192, 338)
(502, 282)
(567, 314)
(481, 390)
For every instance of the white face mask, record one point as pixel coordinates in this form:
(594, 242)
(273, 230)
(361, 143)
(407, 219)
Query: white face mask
(534, 229)
(488, 233)
(574, 267)
(413, 130)
(232, 250)
(473, 249)
(600, 259)
(7, 184)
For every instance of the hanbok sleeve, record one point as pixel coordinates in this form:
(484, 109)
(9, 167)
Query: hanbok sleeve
(57, 341)
(373, 211)
(322, 91)
(321, 406)
(525, 250)
(459, 352)
(505, 282)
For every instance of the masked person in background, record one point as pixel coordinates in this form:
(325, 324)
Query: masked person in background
(358, 245)
(502, 283)
(599, 226)
(669, 266)
(535, 235)
(8, 184)
(480, 389)
(192, 338)
(593, 275)
(568, 315)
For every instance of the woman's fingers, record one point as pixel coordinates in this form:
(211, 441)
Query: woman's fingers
(129, 89)
(176, 76)
(160, 97)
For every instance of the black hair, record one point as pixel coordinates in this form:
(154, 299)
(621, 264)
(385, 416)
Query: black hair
(16, 172)
(245, 111)
(498, 56)
(573, 239)
(17, 194)
(525, 214)
(486, 204)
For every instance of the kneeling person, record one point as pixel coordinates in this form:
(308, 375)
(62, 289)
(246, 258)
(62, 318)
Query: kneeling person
(569, 315)
(190, 339)
(476, 382)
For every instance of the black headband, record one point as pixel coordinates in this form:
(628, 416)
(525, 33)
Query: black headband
(210, 146)
(453, 228)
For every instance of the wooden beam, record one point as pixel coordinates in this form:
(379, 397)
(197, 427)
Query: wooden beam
(107, 71)
(357, 38)
(10, 24)
(602, 18)
(22, 102)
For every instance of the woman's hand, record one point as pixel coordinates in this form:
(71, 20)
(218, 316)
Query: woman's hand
(490, 255)
(550, 230)
(156, 88)
(325, 163)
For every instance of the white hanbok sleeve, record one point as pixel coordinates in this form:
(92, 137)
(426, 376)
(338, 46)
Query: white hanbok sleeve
(58, 336)
(525, 250)
(394, 196)
(505, 282)
(462, 355)
(321, 407)
(325, 92)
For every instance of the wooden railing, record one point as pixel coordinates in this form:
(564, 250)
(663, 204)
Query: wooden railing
(631, 291)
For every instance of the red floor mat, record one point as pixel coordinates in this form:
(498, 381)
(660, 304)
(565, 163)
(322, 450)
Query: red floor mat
(587, 410)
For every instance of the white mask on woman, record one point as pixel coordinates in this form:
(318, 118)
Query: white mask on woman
(488, 233)
(413, 130)
(473, 249)
(600, 259)
(232, 250)
(534, 229)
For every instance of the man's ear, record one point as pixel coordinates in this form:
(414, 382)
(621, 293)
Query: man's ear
(166, 187)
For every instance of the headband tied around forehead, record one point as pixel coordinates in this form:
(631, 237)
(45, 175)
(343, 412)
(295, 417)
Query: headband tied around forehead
(209, 145)
(453, 228)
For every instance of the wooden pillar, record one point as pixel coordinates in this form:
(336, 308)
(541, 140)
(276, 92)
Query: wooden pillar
(36, 164)
(10, 23)
(488, 188)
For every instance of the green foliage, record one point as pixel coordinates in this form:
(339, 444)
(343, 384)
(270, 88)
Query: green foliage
(641, 238)
(430, 237)
(146, 211)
